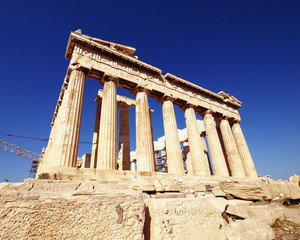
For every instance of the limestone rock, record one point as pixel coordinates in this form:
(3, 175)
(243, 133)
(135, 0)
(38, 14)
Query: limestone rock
(243, 190)
(42, 215)
(218, 203)
(238, 208)
(142, 184)
(295, 180)
(283, 190)
(217, 191)
(199, 188)
(183, 219)
(292, 213)
(249, 229)
(16, 186)
(267, 213)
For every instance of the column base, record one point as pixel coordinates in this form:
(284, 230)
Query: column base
(144, 181)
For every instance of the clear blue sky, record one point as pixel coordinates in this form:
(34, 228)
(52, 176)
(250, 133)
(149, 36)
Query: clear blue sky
(250, 49)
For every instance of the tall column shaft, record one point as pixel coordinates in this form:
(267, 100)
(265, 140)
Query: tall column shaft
(234, 160)
(244, 152)
(107, 143)
(205, 151)
(124, 137)
(96, 134)
(215, 148)
(144, 143)
(199, 161)
(154, 157)
(174, 153)
(65, 138)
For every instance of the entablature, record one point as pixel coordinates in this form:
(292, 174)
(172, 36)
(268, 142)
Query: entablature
(101, 59)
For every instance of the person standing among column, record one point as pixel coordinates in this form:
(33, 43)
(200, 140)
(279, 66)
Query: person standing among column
(234, 160)
(214, 145)
(107, 143)
(243, 149)
(199, 161)
(144, 144)
(174, 153)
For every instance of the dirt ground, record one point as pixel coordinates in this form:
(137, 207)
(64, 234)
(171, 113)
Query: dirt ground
(286, 230)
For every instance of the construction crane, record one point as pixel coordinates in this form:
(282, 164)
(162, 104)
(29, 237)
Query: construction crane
(23, 152)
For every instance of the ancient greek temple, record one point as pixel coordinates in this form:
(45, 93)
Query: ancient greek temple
(224, 153)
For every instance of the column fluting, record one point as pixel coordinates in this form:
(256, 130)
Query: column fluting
(214, 145)
(174, 153)
(124, 137)
(64, 149)
(234, 160)
(96, 133)
(199, 161)
(244, 152)
(144, 142)
(107, 142)
(202, 136)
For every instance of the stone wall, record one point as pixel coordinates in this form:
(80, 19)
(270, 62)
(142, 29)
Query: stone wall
(38, 211)
(64, 209)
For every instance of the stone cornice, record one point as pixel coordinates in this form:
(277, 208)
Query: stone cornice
(232, 100)
(86, 40)
(106, 58)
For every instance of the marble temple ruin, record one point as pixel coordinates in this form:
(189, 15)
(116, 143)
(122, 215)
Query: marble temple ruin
(114, 65)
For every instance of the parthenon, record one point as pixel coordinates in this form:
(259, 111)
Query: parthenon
(115, 65)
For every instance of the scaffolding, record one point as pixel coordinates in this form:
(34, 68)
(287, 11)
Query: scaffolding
(22, 152)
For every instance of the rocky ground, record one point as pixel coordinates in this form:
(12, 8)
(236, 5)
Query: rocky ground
(72, 209)
(286, 230)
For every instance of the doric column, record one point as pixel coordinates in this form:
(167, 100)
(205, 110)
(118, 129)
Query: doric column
(63, 146)
(244, 152)
(215, 148)
(151, 111)
(199, 162)
(234, 160)
(124, 138)
(69, 125)
(202, 136)
(107, 143)
(174, 153)
(144, 143)
(96, 133)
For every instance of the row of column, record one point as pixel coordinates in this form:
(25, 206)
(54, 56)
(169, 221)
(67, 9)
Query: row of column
(238, 161)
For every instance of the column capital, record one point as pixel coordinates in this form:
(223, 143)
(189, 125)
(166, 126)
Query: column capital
(108, 78)
(209, 111)
(188, 105)
(98, 99)
(209, 114)
(139, 88)
(166, 98)
(236, 121)
(123, 105)
(78, 67)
